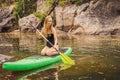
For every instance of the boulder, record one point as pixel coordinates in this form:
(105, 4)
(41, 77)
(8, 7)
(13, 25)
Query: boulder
(65, 17)
(24, 23)
(4, 58)
(6, 18)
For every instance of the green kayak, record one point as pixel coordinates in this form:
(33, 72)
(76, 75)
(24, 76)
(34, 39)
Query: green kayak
(35, 61)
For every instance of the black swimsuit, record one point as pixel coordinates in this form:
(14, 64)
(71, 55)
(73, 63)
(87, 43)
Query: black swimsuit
(50, 37)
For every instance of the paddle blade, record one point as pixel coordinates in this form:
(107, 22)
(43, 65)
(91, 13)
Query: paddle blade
(65, 66)
(66, 59)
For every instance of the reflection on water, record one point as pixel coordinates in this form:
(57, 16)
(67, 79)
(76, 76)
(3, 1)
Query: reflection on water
(49, 72)
(96, 57)
(27, 42)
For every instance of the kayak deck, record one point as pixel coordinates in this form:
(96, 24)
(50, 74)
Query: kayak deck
(35, 61)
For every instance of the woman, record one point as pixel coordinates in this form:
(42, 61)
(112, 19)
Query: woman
(50, 33)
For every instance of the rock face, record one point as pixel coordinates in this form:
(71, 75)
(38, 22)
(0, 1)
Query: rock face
(4, 58)
(99, 17)
(42, 8)
(6, 18)
(65, 17)
(25, 26)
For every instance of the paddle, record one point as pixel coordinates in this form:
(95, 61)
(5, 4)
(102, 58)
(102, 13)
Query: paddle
(65, 58)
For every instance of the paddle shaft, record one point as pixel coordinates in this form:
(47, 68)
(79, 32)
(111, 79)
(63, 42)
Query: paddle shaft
(44, 38)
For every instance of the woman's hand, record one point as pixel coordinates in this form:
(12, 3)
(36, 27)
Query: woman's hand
(56, 46)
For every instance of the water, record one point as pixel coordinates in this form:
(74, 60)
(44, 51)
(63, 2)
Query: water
(96, 57)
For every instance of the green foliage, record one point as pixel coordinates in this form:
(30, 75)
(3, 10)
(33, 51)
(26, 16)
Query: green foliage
(62, 2)
(53, 16)
(1, 1)
(4, 3)
(18, 8)
(49, 2)
(39, 15)
(24, 8)
(76, 2)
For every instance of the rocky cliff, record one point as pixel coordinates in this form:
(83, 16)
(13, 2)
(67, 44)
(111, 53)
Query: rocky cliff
(96, 17)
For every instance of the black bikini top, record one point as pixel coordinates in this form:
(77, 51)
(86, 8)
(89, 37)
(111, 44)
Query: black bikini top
(50, 37)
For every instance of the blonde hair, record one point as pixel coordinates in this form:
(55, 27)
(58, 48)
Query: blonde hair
(47, 29)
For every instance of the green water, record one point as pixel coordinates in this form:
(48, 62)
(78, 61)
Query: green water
(96, 57)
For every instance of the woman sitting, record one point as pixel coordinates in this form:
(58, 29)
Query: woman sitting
(50, 33)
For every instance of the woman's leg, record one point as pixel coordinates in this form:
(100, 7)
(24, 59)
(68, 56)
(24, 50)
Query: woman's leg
(44, 50)
(51, 52)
